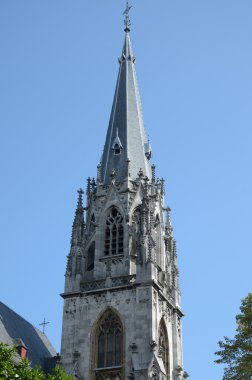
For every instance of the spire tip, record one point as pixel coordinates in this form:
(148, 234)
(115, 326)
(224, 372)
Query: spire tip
(126, 18)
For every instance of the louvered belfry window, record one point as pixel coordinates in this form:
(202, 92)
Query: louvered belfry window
(109, 341)
(114, 233)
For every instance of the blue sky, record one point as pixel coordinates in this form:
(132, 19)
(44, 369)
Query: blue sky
(58, 68)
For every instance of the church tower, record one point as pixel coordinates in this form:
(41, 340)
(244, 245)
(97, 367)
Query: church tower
(122, 315)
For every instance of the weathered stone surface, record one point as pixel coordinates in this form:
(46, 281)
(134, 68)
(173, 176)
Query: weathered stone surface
(123, 259)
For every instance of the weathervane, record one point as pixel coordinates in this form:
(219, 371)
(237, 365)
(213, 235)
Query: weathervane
(127, 19)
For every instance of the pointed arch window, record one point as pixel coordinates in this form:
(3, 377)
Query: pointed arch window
(163, 348)
(117, 149)
(91, 256)
(158, 240)
(109, 346)
(117, 145)
(92, 224)
(114, 233)
(136, 220)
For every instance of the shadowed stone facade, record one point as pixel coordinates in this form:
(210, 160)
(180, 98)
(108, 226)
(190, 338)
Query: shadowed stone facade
(122, 315)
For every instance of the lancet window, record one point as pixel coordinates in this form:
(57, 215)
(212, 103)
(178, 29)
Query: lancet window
(158, 236)
(109, 346)
(114, 233)
(92, 224)
(136, 220)
(91, 256)
(163, 348)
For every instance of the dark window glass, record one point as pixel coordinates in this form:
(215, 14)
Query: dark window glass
(92, 224)
(135, 225)
(101, 350)
(114, 233)
(109, 341)
(110, 349)
(118, 347)
(164, 348)
(91, 256)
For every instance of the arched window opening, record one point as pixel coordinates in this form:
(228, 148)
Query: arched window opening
(92, 224)
(114, 233)
(163, 348)
(91, 256)
(157, 238)
(157, 221)
(136, 218)
(117, 145)
(117, 149)
(109, 341)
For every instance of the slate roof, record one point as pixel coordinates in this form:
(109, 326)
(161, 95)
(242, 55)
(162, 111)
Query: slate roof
(13, 327)
(126, 125)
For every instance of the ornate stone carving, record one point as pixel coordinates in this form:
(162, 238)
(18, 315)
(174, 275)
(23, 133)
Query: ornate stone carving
(124, 216)
(123, 280)
(70, 309)
(133, 347)
(153, 345)
(92, 285)
(180, 373)
(154, 373)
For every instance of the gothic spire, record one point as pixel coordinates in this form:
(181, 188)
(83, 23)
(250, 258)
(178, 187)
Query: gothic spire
(78, 224)
(126, 138)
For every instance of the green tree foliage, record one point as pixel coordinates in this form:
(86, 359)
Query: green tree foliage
(23, 371)
(237, 353)
(59, 374)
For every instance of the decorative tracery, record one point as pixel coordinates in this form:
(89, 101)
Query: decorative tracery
(136, 219)
(114, 233)
(163, 347)
(109, 355)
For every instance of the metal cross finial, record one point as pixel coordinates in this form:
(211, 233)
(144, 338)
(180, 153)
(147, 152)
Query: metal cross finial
(127, 19)
(44, 323)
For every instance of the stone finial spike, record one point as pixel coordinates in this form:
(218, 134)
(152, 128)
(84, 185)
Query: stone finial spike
(153, 172)
(98, 173)
(78, 224)
(88, 185)
(175, 248)
(168, 225)
(162, 185)
(79, 204)
(93, 184)
(79, 213)
(168, 219)
(69, 266)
